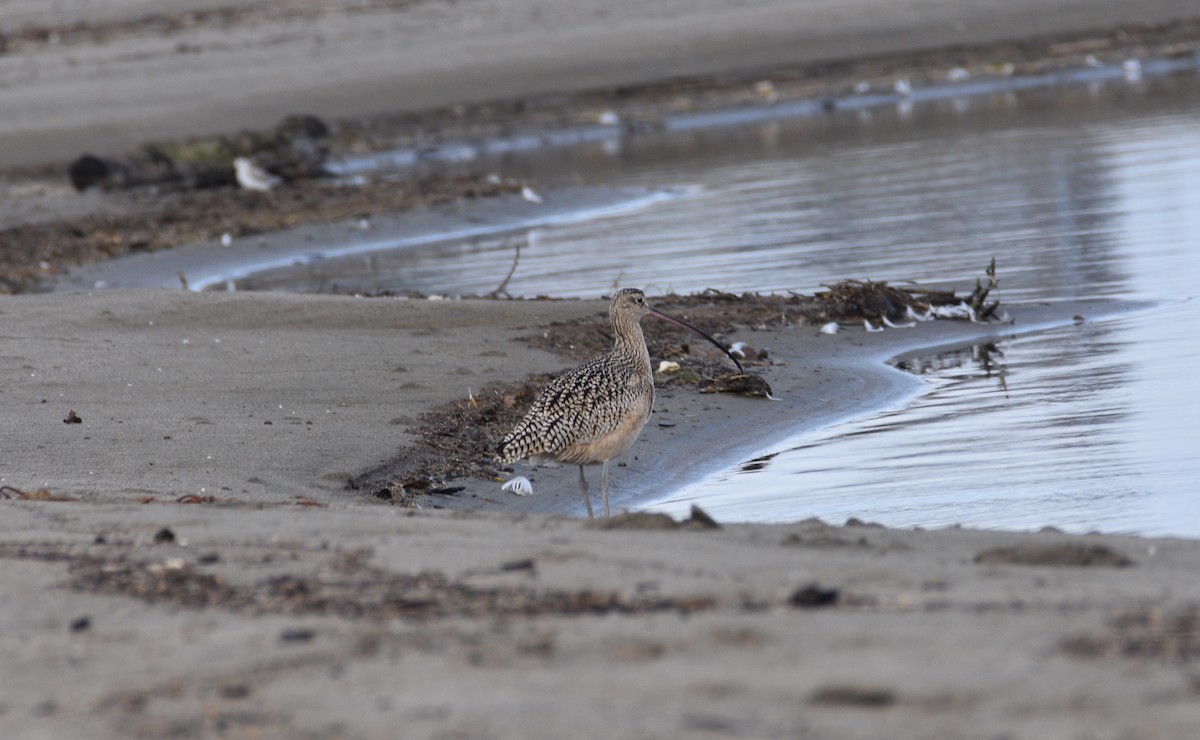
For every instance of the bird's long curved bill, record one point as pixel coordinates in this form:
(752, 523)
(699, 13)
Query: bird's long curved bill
(686, 325)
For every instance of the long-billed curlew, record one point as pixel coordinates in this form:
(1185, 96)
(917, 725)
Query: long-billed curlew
(594, 412)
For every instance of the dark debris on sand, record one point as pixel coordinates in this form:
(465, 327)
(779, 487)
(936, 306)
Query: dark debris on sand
(351, 589)
(844, 301)
(156, 219)
(458, 439)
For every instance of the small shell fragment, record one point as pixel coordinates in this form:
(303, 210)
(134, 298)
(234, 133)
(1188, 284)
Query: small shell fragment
(519, 485)
(668, 366)
(830, 328)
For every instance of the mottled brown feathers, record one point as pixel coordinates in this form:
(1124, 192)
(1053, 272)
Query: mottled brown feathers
(577, 407)
(572, 417)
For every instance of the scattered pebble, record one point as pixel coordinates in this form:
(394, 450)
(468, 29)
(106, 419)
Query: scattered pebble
(812, 595)
(524, 564)
(700, 519)
(235, 691)
(297, 634)
(853, 696)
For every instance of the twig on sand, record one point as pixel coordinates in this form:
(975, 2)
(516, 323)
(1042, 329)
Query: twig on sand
(502, 289)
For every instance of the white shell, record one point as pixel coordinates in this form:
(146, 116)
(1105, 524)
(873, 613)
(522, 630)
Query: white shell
(519, 485)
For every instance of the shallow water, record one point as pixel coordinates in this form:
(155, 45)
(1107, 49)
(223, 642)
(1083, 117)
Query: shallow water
(1081, 191)
(1084, 428)
(1078, 428)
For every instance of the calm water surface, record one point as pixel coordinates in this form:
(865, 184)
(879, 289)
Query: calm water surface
(1090, 427)
(1078, 192)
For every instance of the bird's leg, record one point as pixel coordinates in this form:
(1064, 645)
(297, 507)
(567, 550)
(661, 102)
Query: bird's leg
(604, 486)
(583, 488)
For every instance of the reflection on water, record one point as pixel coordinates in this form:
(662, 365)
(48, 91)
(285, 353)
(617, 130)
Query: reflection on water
(1049, 429)
(929, 192)
(1077, 192)
(1090, 427)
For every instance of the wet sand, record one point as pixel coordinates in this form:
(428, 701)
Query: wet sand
(208, 572)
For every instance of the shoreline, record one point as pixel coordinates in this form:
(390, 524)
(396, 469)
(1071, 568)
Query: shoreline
(51, 228)
(819, 380)
(177, 396)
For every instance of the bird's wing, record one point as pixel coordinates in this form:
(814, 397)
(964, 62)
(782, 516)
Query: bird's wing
(575, 408)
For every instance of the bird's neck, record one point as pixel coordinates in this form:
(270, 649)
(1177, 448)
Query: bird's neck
(629, 341)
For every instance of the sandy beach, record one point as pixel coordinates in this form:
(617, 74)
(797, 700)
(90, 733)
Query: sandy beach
(190, 559)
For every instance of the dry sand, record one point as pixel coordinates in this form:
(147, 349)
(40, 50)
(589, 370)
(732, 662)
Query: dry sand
(291, 607)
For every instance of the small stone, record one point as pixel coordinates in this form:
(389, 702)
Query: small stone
(813, 595)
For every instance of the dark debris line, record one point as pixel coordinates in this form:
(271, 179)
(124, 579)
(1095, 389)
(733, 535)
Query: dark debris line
(458, 439)
(368, 593)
